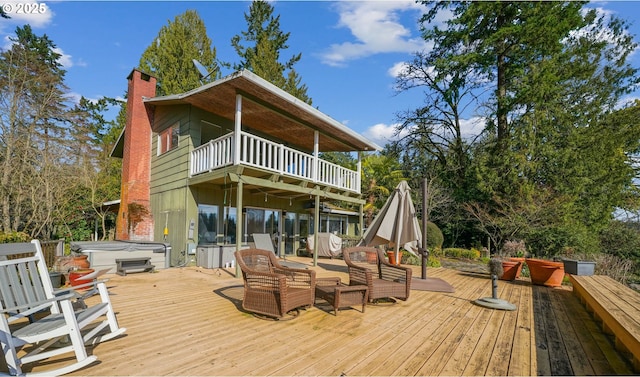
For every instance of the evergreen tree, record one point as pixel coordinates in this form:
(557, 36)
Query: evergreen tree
(261, 54)
(553, 73)
(33, 131)
(98, 174)
(170, 56)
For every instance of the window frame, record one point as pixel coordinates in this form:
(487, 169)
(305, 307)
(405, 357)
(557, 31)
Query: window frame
(168, 139)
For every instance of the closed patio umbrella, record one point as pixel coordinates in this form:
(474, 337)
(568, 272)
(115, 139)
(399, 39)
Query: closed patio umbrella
(396, 224)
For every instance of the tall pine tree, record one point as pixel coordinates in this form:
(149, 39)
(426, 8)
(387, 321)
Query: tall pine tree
(261, 52)
(547, 75)
(170, 56)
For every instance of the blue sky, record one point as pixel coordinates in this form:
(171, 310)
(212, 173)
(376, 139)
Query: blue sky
(350, 49)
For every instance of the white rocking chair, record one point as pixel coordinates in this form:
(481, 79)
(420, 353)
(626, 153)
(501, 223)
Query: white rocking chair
(26, 292)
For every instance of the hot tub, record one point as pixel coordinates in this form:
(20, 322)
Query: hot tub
(103, 254)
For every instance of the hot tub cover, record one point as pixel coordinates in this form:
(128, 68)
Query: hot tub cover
(157, 247)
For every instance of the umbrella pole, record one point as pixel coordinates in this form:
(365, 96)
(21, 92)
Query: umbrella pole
(425, 251)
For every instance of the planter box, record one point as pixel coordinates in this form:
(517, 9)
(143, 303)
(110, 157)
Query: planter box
(576, 267)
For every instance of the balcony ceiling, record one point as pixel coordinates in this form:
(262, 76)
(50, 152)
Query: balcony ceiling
(270, 110)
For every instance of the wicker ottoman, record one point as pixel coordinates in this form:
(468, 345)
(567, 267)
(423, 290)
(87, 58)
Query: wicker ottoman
(339, 295)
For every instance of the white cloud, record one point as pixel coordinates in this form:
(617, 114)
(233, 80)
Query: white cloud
(397, 69)
(382, 133)
(376, 28)
(627, 101)
(64, 59)
(472, 127)
(74, 97)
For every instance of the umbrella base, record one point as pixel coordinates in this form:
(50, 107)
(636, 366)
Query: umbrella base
(495, 303)
(431, 284)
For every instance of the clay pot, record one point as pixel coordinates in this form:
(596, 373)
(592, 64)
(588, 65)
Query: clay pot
(74, 277)
(392, 257)
(544, 272)
(511, 270)
(81, 261)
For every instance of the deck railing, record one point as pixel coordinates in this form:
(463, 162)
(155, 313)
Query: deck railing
(266, 154)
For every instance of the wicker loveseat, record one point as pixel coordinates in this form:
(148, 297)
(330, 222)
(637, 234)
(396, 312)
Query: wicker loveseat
(367, 266)
(271, 290)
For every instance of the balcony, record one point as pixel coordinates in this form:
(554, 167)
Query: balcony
(265, 154)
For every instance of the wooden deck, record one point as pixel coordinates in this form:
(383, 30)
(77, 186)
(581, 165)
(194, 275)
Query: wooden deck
(189, 321)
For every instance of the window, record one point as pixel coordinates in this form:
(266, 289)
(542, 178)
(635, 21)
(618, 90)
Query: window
(207, 224)
(333, 224)
(230, 225)
(260, 220)
(168, 139)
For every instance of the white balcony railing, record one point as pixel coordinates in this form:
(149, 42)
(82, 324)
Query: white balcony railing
(265, 154)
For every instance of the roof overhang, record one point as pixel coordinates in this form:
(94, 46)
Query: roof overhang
(272, 111)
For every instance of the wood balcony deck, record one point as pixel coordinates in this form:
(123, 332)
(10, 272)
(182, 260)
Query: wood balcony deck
(189, 321)
(254, 151)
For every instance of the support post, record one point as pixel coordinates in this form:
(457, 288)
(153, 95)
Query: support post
(316, 152)
(237, 130)
(425, 219)
(316, 228)
(239, 223)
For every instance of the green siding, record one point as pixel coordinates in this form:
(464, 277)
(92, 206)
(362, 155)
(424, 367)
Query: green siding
(170, 170)
(174, 204)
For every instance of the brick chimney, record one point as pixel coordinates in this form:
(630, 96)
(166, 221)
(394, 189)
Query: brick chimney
(135, 221)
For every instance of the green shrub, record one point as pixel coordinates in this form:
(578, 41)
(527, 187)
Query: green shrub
(409, 258)
(437, 252)
(459, 253)
(435, 238)
(433, 262)
(14, 237)
(415, 260)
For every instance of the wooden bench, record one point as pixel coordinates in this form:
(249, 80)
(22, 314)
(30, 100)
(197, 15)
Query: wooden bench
(617, 307)
(126, 264)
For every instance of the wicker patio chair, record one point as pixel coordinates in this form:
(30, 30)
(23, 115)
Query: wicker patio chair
(367, 266)
(272, 291)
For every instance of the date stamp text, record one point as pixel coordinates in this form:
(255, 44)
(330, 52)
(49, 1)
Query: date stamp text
(23, 8)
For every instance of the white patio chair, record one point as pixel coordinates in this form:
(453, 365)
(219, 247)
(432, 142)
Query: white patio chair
(263, 241)
(26, 293)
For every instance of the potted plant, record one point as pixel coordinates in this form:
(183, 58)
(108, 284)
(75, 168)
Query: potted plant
(511, 270)
(512, 256)
(545, 272)
(76, 277)
(56, 278)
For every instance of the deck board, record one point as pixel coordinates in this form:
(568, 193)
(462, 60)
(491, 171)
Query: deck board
(189, 321)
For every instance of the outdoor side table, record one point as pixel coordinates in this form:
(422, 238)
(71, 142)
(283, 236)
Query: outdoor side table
(339, 295)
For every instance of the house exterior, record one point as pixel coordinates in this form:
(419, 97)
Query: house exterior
(238, 156)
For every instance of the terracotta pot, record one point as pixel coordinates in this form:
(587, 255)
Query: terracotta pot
(392, 257)
(511, 270)
(81, 261)
(74, 277)
(544, 272)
